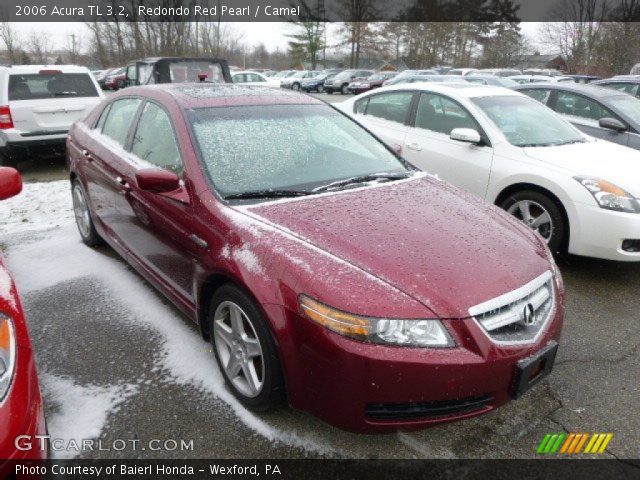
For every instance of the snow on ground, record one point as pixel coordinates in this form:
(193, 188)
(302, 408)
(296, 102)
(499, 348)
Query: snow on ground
(39, 206)
(82, 410)
(68, 259)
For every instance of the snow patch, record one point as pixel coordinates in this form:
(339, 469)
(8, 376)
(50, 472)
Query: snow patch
(247, 258)
(184, 355)
(83, 410)
(40, 206)
(5, 287)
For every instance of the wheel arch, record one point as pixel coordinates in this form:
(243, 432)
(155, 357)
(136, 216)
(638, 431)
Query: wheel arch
(522, 186)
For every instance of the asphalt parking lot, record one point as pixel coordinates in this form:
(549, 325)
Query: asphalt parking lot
(118, 362)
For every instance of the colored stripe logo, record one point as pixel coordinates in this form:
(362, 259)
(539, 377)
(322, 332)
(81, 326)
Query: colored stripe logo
(572, 443)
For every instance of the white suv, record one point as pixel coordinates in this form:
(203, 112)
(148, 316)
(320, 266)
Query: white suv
(38, 104)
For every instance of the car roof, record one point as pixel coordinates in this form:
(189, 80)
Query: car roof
(196, 95)
(27, 69)
(620, 79)
(466, 90)
(594, 91)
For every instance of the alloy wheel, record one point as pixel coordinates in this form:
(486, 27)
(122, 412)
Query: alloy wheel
(535, 216)
(81, 211)
(239, 348)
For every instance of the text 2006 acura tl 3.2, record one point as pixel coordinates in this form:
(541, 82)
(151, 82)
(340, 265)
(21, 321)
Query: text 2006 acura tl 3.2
(325, 270)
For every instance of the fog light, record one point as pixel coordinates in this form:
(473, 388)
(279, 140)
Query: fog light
(632, 246)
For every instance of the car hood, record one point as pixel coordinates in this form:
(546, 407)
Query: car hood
(596, 158)
(437, 244)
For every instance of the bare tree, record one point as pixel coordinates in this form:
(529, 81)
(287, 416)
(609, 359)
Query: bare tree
(11, 41)
(40, 46)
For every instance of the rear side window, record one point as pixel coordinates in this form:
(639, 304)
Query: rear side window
(119, 119)
(155, 141)
(392, 106)
(539, 94)
(58, 85)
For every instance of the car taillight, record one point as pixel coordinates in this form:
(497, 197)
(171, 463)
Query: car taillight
(5, 118)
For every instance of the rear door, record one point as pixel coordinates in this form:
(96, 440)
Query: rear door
(106, 163)
(49, 101)
(386, 114)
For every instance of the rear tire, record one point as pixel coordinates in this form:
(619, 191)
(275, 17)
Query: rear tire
(295, 87)
(245, 350)
(542, 214)
(84, 222)
(329, 92)
(320, 89)
(345, 89)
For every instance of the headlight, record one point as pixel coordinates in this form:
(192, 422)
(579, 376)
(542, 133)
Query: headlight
(7, 354)
(610, 196)
(414, 333)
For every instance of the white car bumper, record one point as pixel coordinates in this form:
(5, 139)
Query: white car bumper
(597, 232)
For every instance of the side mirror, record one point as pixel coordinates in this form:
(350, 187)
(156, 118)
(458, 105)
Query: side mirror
(157, 180)
(612, 124)
(10, 182)
(468, 135)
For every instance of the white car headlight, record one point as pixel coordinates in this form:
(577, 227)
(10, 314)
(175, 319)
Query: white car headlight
(409, 333)
(610, 196)
(7, 354)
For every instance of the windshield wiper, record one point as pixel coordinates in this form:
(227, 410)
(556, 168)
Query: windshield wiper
(361, 179)
(267, 193)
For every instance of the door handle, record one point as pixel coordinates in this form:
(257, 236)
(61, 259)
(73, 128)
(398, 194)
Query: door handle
(87, 155)
(198, 241)
(414, 146)
(123, 184)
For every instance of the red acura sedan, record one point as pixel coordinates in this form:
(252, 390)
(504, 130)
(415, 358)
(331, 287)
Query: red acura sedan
(325, 270)
(21, 408)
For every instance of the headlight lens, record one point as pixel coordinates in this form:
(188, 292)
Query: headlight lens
(7, 354)
(415, 333)
(610, 196)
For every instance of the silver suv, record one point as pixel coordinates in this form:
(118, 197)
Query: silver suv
(38, 104)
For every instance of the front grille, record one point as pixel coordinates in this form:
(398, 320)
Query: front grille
(518, 316)
(416, 410)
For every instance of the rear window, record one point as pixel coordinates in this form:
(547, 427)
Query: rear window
(37, 86)
(189, 71)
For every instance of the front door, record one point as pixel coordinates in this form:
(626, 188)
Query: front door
(427, 144)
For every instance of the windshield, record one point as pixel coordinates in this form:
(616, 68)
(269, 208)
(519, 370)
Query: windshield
(345, 74)
(527, 123)
(285, 147)
(628, 105)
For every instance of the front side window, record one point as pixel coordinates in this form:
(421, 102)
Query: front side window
(630, 88)
(276, 147)
(441, 114)
(155, 140)
(118, 122)
(526, 123)
(393, 106)
(579, 106)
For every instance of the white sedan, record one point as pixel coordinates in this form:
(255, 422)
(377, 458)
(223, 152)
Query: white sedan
(579, 193)
(253, 78)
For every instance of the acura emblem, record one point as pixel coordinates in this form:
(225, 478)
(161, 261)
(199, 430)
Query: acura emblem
(529, 315)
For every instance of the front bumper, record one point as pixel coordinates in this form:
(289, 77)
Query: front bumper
(361, 387)
(597, 232)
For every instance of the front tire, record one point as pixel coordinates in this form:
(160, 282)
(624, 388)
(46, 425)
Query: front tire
(245, 350)
(7, 161)
(84, 222)
(345, 89)
(540, 213)
(295, 87)
(320, 89)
